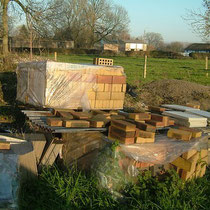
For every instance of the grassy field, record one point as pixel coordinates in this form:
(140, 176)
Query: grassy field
(157, 68)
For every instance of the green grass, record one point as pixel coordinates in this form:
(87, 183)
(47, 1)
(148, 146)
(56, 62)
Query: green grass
(157, 68)
(56, 189)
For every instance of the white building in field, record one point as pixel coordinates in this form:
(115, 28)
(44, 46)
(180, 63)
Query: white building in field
(134, 45)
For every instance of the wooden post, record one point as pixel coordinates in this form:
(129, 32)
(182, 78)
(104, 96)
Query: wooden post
(207, 74)
(145, 67)
(55, 56)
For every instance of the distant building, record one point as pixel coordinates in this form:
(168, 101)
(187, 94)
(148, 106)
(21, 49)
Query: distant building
(198, 48)
(134, 45)
(111, 47)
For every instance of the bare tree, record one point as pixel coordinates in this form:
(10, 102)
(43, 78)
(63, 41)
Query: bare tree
(33, 8)
(200, 20)
(154, 40)
(88, 21)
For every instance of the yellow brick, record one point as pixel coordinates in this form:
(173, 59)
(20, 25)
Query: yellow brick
(124, 88)
(187, 165)
(91, 95)
(179, 134)
(118, 104)
(107, 87)
(111, 104)
(103, 96)
(185, 175)
(117, 95)
(92, 104)
(189, 154)
(99, 104)
(117, 87)
(99, 87)
(105, 104)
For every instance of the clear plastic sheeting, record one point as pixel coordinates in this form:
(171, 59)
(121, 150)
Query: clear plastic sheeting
(163, 151)
(8, 181)
(59, 85)
(114, 168)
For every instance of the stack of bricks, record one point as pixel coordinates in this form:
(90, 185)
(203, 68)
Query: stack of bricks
(103, 61)
(191, 164)
(109, 92)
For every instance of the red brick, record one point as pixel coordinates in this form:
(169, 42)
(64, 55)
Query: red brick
(119, 80)
(104, 79)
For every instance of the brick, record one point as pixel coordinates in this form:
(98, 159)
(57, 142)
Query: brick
(126, 126)
(156, 109)
(76, 124)
(195, 132)
(57, 122)
(81, 115)
(92, 104)
(124, 88)
(91, 95)
(195, 106)
(95, 112)
(117, 95)
(119, 132)
(103, 96)
(100, 87)
(171, 122)
(99, 104)
(119, 80)
(117, 117)
(118, 104)
(107, 87)
(157, 124)
(145, 126)
(111, 104)
(189, 154)
(4, 145)
(141, 140)
(179, 134)
(187, 165)
(160, 118)
(66, 115)
(122, 140)
(146, 134)
(117, 88)
(106, 104)
(105, 79)
(96, 124)
(186, 175)
(139, 116)
(203, 153)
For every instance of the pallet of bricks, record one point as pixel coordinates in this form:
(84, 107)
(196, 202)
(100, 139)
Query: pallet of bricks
(71, 86)
(141, 128)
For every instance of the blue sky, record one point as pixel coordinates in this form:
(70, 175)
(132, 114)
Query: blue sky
(161, 16)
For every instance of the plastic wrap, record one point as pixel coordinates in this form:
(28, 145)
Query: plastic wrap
(116, 167)
(59, 85)
(8, 180)
(163, 151)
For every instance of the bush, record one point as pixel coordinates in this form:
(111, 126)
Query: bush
(199, 55)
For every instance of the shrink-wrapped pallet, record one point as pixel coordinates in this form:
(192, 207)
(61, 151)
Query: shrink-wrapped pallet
(70, 86)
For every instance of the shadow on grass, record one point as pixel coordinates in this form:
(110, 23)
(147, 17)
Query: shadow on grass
(9, 109)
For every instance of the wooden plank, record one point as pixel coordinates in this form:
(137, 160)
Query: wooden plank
(38, 141)
(157, 124)
(27, 161)
(189, 154)
(51, 152)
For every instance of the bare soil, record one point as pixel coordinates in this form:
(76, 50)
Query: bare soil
(171, 92)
